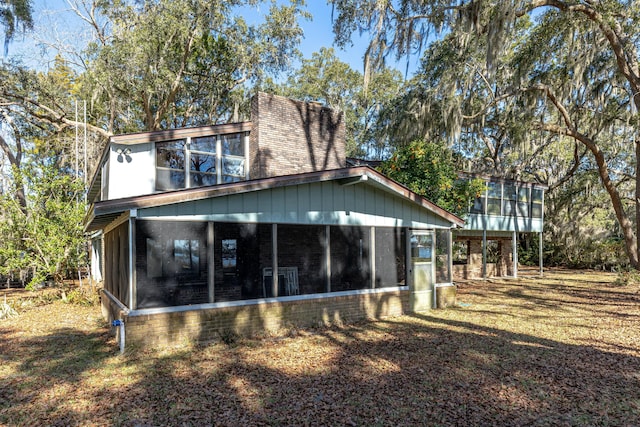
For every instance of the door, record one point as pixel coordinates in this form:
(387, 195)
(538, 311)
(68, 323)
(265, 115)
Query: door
(422, 269)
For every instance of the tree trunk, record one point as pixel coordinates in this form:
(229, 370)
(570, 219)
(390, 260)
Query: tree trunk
(628, 232)
(637, 202)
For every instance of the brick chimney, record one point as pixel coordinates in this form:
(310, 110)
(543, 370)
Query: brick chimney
(290, 137)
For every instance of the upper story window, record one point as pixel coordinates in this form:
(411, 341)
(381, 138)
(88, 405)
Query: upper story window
(195, 162)
(509, 199)
(233, 158)
(494, 198)
(170, 173)
(202, 161)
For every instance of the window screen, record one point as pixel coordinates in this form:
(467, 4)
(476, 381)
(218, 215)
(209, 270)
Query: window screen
(171, 263)
(390, 257)
(303, 247)
(350, 258)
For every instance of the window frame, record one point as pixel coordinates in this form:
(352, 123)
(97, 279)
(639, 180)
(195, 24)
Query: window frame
(218, 175)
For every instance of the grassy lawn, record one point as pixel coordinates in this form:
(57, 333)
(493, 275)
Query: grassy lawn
(561, 350)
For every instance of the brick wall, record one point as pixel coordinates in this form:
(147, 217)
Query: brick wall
(473, 268)
(200, 325)
(290, 137)
(469, 271)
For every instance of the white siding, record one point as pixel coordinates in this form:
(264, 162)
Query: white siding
(131, 174)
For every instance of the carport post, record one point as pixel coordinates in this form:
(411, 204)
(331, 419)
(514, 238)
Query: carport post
(514, 251)
(484, 254)
(541, 254)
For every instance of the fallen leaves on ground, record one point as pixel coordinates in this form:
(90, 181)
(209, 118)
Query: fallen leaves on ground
(559, 350)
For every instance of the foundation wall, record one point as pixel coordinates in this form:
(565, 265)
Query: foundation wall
(203, 325)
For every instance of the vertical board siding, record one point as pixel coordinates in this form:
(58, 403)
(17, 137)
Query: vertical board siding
(277, 204)
(291, 204)
(304, 201)
(250, 202)
(235, 203)
(327, 197)
(316, 203)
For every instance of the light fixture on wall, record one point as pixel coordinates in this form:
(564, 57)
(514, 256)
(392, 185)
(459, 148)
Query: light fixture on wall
(123, 153)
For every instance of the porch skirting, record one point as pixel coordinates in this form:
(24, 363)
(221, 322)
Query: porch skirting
(197, 325)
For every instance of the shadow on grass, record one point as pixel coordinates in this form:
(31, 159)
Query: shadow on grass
(411, 370)
(419, 370)
(558, 297)
(44, 366)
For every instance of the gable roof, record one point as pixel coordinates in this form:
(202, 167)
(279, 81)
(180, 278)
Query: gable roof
(102, 213)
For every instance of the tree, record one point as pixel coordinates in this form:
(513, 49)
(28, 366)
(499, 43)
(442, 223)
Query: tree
(574, 69)
(46, 238)
(324, 78)
(164, 64)
(35, 111)
(13, 14)
(430, 169)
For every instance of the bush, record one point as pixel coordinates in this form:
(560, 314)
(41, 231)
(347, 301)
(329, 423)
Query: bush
(627, 278)
(7, 311)
(81, 296)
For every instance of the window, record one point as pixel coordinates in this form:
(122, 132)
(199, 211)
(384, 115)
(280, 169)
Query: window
(350, 249)
(104, 188)
(233, 160)
(229, 256)
(186, 255)
(202, 161)
(494, 198)
(390, 249)
(523, 201)
(510, 196)
(443, 270)
(536, 205)
(303, 246)
(171, 263)
(170, 173)
(241, 253)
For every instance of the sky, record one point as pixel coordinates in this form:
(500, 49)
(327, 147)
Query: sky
(55, 20)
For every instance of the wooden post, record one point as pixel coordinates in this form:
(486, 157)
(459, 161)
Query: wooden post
(211, 266)
(274, 261)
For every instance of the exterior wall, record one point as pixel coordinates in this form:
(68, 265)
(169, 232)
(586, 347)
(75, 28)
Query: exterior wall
(469, 271)
(131, 174)
(290, 137)
(327, 203)
(473, 268)
(178, 328)
(519, 224)
(506, 258)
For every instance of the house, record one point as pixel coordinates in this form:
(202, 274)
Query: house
(256, 226)
(487, 245)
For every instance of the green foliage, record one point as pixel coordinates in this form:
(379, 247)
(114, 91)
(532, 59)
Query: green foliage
(627, 278)
(175, 63)
(81, 296)
(13, 15)
(46, 238)
(326, 79)
(517, 86)
(429, 169)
